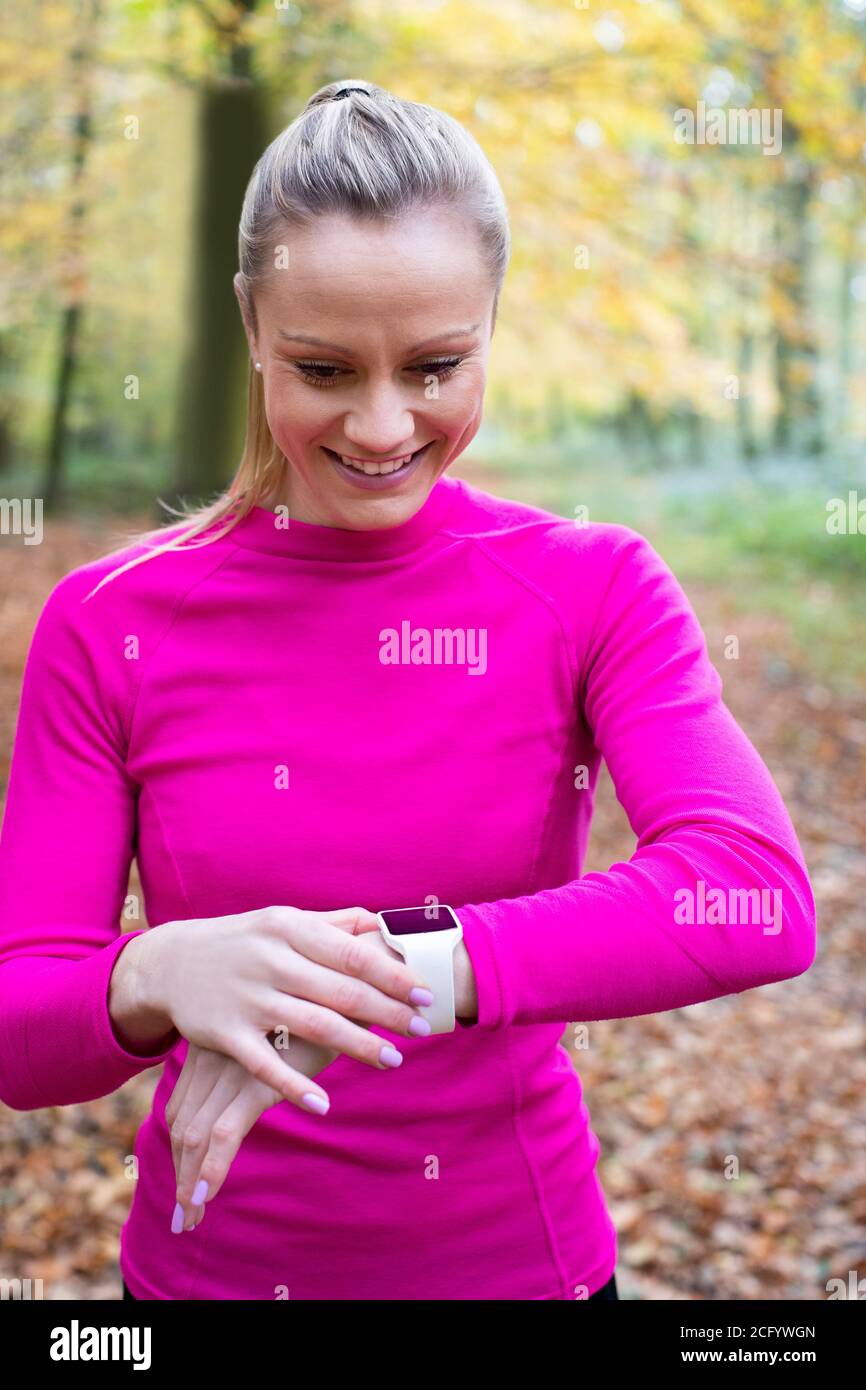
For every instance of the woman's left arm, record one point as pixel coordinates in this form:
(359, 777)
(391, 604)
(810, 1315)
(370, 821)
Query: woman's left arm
(716, 898)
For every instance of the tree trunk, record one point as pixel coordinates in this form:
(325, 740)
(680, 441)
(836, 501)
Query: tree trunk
(798, 418)
(74, 279)
(211, 399)
(745, 424)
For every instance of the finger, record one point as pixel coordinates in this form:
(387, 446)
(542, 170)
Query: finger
(356, 926)
(329, 1029)
(196, 1138)
(203, 1076)
(354, 920)
(308, 982)
(261, 1060)
(341, 971)
(228, 1131)
(318, 940)
(199, 1083)
(181, 1086)
(198, 1064)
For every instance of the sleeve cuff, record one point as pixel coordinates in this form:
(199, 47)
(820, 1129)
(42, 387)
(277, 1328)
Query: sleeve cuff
(480, 949)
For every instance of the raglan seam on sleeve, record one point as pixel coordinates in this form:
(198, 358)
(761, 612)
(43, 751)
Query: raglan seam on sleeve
(232, 553)
(575, 659)
(552, 604)
(170, 852)
(179, 601)
(59, 614)
(543, 597)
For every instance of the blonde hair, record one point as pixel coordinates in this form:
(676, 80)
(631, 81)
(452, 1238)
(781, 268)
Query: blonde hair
(354, 149)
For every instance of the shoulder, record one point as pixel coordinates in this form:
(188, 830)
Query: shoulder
(91, 645)
(548, 548)
(600, 579)
(93, 619)
(137, 578)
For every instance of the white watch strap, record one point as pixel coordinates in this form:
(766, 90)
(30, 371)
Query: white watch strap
(433, 957)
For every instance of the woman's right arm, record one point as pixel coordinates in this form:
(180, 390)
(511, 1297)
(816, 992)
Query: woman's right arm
(226, 982)
(66, 846)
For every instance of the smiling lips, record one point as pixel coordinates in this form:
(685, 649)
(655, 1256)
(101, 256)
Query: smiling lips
(376, 469)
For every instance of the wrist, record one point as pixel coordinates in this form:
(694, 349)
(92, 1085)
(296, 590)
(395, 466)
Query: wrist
(145, 966)
(465, 989)
(140, 1022)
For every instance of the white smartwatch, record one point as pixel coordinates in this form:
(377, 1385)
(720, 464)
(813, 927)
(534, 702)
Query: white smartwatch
(425, 937)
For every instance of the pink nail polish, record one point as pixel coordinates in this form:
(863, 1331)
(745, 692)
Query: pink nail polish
(199, 1192)
(316, 1103)
(177, 1219)
(390, 1056)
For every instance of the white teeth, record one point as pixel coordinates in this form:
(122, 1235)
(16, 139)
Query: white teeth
(374, 469)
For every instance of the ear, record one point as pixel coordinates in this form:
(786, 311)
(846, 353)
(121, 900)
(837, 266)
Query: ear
(246, 316)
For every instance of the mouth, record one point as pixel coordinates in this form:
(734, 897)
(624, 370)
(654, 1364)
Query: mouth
(375, 479)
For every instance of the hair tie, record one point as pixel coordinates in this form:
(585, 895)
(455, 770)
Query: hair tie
(344, 92)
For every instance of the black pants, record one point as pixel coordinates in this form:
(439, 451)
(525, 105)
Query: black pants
(607, 1291)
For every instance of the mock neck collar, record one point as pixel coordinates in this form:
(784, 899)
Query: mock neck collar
(274, 533)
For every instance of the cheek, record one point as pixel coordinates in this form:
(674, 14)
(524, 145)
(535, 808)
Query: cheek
(294, 415)
(460, 402)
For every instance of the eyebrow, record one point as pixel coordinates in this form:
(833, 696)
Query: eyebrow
(335, 347)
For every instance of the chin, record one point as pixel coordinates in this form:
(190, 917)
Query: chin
(372, 511)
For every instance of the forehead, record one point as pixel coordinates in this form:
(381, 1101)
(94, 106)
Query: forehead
(412, 271)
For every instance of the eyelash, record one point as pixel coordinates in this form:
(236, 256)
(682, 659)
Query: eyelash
(443, 368)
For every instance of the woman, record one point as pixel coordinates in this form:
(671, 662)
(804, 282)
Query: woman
(263, 714)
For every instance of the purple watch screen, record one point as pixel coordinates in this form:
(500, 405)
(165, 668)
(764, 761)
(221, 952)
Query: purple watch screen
(402, 921)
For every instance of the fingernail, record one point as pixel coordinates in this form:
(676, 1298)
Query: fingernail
(199, 1192)
(317, 1103)
(421, 996)
(177, 1219)
(420, 1027)
(390, 1056)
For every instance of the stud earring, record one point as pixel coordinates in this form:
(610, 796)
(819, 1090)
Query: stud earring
(258, 366)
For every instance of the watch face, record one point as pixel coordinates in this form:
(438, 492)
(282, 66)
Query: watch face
(404, 921)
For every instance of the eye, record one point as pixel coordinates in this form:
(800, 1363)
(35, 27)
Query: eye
(444, 367)
(310, 372)
(314, 371)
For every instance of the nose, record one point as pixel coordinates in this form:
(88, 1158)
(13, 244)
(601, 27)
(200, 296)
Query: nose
(380, 424)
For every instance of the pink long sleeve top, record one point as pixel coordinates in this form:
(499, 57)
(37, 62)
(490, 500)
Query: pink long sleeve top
(328, 718)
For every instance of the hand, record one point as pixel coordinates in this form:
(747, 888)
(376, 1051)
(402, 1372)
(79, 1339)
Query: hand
(226, 982)
(215, 1104)
(213, 1107)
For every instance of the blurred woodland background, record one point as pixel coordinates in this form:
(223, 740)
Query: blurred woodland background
(681, 347)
